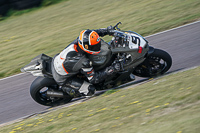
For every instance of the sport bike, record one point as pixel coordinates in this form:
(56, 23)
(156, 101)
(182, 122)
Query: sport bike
(127, 47)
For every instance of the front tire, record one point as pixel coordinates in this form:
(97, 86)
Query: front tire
(38, 91)
(154, 65)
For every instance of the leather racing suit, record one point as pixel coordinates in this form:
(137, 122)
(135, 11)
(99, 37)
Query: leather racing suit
(73, 60)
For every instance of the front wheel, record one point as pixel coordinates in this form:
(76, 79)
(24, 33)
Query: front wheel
(38, 91)
(155, 64)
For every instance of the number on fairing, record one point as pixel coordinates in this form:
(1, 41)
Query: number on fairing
(136, 40)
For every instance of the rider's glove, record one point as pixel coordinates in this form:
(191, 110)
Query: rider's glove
(110, 30)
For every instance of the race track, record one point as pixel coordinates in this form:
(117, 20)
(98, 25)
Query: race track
(182, 43)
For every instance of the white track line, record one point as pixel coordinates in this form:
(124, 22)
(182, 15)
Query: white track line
(145, 37)
(173, 29)
(12, 76)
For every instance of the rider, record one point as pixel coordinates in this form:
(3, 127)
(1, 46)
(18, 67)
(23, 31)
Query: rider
(74, 59)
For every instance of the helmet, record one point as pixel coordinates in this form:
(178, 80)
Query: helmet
(89, 42)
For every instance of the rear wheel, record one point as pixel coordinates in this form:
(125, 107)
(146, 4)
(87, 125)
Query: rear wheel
(38, 91)
(155, 64)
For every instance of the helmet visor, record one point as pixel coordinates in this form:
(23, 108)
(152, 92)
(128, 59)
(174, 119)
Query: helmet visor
(95, 48)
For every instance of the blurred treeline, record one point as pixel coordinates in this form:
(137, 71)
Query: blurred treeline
(17, 7)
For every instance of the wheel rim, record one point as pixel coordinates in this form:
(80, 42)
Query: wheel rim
(156, 65)
(42, 96)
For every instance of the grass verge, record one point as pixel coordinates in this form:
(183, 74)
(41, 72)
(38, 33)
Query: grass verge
(166, 105)
(49, 30)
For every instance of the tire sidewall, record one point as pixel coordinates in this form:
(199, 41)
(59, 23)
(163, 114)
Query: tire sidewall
(157, 53)
(37, 85)
(41, 82)
(165, 56)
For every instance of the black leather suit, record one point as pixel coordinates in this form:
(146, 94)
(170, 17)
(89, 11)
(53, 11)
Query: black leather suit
(73, 60)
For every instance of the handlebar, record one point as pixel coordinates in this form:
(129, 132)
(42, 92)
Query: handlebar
(116, 26)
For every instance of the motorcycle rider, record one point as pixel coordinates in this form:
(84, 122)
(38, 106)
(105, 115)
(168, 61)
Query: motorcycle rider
(74, 59)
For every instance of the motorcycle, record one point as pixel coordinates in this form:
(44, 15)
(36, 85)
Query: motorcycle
(127, 47)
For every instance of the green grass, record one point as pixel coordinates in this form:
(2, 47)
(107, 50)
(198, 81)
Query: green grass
(49, 30)
(164, 105)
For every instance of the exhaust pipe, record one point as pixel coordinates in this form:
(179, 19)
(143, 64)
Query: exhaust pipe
(55, 93)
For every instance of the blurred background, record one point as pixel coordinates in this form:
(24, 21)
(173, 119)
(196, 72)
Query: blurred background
(31, 27)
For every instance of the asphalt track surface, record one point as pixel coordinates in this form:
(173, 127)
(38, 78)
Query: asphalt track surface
(182, 43)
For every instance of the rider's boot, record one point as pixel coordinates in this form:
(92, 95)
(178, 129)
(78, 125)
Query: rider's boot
(87, 89)
(91, 90)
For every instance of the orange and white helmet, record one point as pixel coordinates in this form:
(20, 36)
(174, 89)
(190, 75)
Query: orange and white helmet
(89, 42)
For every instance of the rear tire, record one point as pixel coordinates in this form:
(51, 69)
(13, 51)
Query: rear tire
(155, 64)
(38, 92)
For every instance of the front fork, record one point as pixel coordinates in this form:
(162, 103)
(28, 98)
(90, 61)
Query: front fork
(146, 64)
(151, 50)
